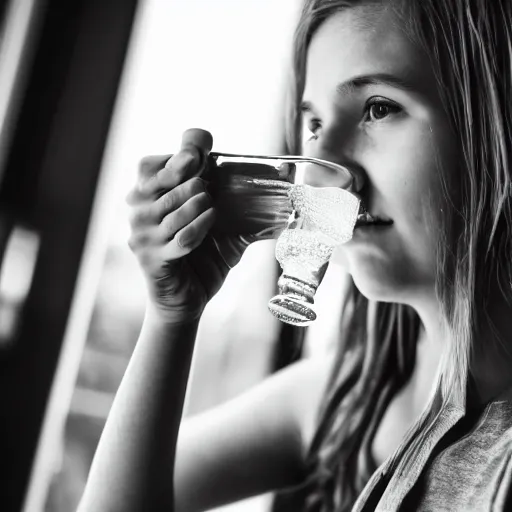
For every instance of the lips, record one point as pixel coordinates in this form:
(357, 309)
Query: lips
(367, 219)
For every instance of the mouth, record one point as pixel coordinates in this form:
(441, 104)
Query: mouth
(366, 219)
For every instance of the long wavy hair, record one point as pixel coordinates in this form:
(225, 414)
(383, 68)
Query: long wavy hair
(469, 45)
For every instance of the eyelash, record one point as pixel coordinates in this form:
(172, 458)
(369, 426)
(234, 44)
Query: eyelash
(381, 102)
(314, 124)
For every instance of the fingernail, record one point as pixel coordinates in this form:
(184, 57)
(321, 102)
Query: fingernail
(181, 244)
(204, 184)
(199, 157)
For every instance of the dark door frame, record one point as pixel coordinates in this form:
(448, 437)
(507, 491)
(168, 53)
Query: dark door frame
(48, 185)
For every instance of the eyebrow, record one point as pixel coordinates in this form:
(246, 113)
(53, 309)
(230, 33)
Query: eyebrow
(361, 81)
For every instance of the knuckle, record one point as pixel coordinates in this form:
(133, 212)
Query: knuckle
(132, 243)
(200, 204)
(146, 260)
(169, 201)
(138, 239)
(206, 201)
(150, 164)
(131, 197)
(141, 190)
(196, 185)
(146, 166)
(185, 160)
(148, 184)
(187, 213)
(191, 156)
(140, 217)
(168, 226)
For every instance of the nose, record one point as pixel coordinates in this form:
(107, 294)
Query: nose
(318, 175)
(347, 174)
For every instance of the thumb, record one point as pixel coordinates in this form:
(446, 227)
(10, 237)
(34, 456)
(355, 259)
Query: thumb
(198, 139)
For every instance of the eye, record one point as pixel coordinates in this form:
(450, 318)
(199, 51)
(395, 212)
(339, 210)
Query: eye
(378, 109)
(311, 128)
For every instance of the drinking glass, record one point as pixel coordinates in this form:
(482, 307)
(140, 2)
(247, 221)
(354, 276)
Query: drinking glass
(323, 219)
(265, 197)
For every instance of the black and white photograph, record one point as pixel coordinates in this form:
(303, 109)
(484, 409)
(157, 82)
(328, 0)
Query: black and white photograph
(256, 255)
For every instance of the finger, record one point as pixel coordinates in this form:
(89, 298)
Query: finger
(190, 237)
(184, 215)
(159, 173)
(182, 166)
(190, 161)
(144, 238)
(142, 215)
(150, 165)
(149, 213)
(197, 138)
(147, 172)
(177, 197)
(173, 171)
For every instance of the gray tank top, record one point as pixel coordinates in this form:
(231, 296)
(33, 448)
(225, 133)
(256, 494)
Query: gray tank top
(465, 465)
(468, 473)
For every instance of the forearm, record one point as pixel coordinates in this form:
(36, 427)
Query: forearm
(133, 465)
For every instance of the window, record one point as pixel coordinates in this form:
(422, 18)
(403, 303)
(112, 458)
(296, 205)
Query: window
(217, 64)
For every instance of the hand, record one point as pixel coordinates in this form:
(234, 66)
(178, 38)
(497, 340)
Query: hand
(171, 217)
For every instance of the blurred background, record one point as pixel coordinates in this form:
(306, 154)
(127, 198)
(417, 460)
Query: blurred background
(87, 88)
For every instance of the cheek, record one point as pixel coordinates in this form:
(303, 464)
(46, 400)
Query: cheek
(441, 181)
(414, 161)
(425, 200)
(421, 201)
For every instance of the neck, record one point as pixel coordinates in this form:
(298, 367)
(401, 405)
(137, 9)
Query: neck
(434, 333)
(491, 358)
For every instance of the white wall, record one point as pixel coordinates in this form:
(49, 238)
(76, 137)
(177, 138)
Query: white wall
(215, 64)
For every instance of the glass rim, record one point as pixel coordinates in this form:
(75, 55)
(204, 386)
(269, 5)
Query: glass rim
(279, 160)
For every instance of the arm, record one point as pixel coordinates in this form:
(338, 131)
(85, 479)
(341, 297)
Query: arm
(171, 215)
(134, 465)
(135, 455)
(252, 444)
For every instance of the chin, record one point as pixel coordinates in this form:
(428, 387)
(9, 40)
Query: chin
(375, 291)
(381, 283)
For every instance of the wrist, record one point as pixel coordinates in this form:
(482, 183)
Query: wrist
(172, 331)
(155, 315)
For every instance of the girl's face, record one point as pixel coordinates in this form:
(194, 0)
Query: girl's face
(371, 103)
